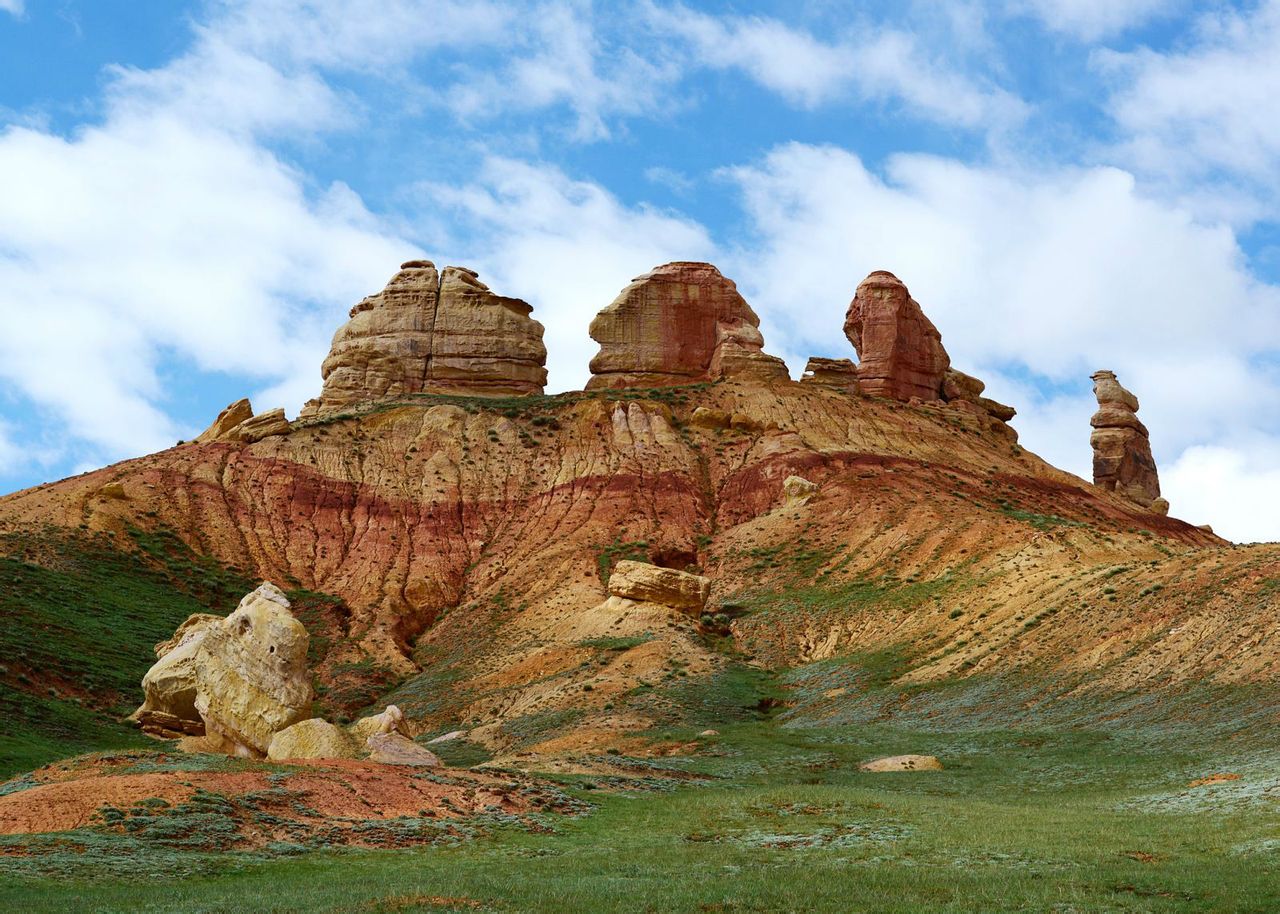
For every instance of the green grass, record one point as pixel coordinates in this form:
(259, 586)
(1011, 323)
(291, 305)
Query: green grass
(785, 821)
(81, 617)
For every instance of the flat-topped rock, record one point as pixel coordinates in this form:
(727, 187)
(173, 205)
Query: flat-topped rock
(433, 332)
(647, 583)
(840, 374)
(681, 323)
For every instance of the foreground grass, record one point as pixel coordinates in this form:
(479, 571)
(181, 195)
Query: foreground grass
(785, 822)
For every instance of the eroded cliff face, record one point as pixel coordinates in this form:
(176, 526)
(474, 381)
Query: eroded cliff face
(473, 542)
(441, 333)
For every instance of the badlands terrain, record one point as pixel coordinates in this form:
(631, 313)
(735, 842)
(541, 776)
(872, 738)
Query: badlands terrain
(640, 639)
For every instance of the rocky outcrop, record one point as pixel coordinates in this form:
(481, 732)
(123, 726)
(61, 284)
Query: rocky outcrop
(840, 374)
(681, 323)
(169, 687)
(904, 763)
(958, 387)
(427, 332)
(900, 353)
(228, 419)
(398, 749)
(1122, 460)
(314, 738)
(267, 425)
(389, 721)
(798, 491)
(251, 673)
(647, 583)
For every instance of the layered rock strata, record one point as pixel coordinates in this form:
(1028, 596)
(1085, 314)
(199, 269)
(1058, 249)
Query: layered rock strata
(900, 352)
(647, 583)
(840, 374)
(681, 323)
(1122, 460)
(228, 419)
(432, 332)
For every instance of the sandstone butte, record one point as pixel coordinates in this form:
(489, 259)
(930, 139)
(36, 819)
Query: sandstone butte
(1122, 460)
(471, 547)
(434, 332)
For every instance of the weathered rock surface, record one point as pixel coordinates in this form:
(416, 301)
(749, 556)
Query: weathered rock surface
(233, 415)
(267, 425)
(1122, 460)
(398, 749)
(840, 374)
(436, 333)
(796, 491)
(390, 720)
(900, 351)
(653, 584)
(251, 673)
(904, 763)
(680, 323)
(314, 738)
(169, 686)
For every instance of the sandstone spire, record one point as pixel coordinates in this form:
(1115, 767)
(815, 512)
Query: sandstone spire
(427, 332)
(1122, 460)
(680, 323)
(900, 353)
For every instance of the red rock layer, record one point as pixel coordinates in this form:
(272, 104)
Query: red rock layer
(899, 350)
(680, 323)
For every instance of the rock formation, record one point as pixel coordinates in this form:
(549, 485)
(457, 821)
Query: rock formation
(389, 721)
(397, 749)
(436, 333)
(255, 428)
(647, 583)
(900, 353)
(904, 763)
(227, 420)
(314, 738)
(251, 673)
(169, 709)
(840, 374)
(798, 491)
(1122, 461)
(680, 323)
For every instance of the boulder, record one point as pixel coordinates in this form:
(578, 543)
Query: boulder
(449, 737)
(840, 374)
(435, 333)
(1122, 459)
(904, 763)
(233, 415)
(169, 686)
(797, 491)
(389, 721)
(251, 673)
(272, 422)
(681, 323)
(647, 583)
(705, 417)
(900, 351)
(314, 738)
(398, 749)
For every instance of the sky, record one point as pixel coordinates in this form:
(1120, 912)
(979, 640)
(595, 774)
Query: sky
(192, 196)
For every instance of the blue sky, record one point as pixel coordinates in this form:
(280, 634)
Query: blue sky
(192, 196)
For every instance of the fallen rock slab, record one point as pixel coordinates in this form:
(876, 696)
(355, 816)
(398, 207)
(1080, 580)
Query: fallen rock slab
(398, 749)
(904, 763)
(310, 739)
(647, 583)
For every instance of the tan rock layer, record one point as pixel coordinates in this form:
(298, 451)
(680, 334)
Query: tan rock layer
(435, 333)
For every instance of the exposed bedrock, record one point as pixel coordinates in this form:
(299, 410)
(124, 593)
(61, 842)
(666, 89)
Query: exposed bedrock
(680, 323)
(433, 332)
(1122, 460)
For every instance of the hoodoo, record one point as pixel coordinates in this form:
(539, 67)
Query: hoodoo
(680, 323)
(1122, 460)
(432, 332)
(900, 353)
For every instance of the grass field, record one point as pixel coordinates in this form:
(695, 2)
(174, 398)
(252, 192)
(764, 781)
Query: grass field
(782, 820)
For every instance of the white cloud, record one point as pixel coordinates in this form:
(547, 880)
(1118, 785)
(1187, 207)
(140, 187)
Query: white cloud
(1053, 273)
(15, 7)
(1207, 111)
(567, 247)
(1234, 488)
(1089, 20)
(875, 63)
